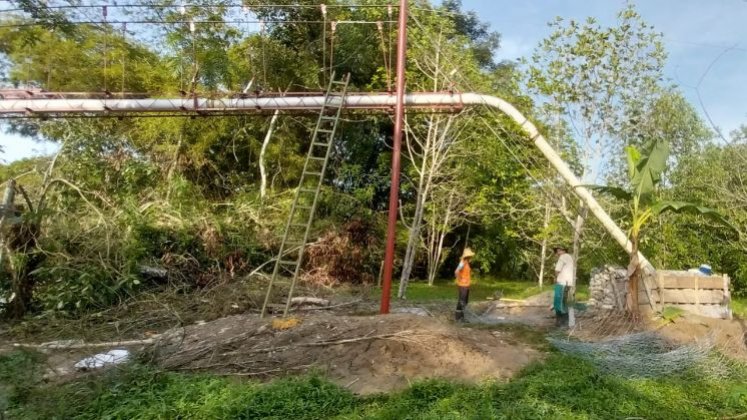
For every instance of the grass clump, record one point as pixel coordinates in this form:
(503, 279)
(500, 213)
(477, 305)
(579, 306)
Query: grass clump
(20, 372)
(739, 307)
(140, 392)
(559, 387)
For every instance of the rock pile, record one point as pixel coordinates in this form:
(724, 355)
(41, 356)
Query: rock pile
(608, 287)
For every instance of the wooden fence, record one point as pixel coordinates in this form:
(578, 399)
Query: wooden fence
(704, 295)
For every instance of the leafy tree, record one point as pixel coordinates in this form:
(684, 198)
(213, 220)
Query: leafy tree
(600, 78)
(645, 169)
(712, 177)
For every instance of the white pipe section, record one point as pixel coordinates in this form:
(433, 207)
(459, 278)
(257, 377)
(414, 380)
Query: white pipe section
(424, 100)
(557, 162)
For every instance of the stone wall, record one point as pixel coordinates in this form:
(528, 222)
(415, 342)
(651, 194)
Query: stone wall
(705, 295)
(608, 287)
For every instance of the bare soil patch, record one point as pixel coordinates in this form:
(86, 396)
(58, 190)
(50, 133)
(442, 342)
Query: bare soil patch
(727, 335)
(367, 354)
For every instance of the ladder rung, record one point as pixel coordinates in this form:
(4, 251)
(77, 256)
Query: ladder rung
(317, 158)
(328, 118)
(324, 130)
(313, 173)
(339, 82)
(320, 143)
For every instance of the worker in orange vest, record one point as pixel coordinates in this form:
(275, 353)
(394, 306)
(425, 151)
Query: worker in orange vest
(463, 279)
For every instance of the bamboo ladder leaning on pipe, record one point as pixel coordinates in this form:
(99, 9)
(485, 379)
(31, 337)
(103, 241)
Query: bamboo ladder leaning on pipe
(301, 217)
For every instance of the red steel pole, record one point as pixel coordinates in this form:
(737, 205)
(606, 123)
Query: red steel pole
(399, 114)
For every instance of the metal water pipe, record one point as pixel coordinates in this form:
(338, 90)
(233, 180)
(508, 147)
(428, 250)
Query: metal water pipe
(62, 107)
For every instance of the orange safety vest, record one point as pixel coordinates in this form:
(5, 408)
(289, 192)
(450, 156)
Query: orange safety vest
(464, 276)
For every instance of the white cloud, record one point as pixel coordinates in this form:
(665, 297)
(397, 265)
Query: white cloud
(17, 147)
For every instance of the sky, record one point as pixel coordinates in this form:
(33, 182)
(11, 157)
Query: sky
(698, 34)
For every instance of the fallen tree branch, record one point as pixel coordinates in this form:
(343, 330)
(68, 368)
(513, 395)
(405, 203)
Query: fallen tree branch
(266, 372)
(77, 344)
(306, 300)
(257, 271)
(339, 305)
(80, 344)
(157, 272)
(357, 339)
(392, 336)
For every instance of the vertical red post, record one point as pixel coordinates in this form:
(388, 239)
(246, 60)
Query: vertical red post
(399, 115)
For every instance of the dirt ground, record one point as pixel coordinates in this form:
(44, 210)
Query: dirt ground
(366, 354)
(360, 351)
(729, 336)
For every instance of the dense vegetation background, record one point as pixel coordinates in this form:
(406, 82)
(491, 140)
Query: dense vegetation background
(184, 194)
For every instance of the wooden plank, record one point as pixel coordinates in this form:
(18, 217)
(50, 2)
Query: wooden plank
(646, 287)
(693, 297)
(697, 295)
(727, 297)
(711, 311)
(692, 282)
(656, 296)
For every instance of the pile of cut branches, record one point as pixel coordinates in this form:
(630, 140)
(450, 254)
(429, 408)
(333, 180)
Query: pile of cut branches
(343, 256)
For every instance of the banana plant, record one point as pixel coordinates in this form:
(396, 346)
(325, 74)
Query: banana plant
(645, 169)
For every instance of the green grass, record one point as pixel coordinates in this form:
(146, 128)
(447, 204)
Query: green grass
(561, 387)
(481, 289)
(739, 307)
(20, 372)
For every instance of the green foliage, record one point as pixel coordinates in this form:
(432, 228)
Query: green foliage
(72, 61)
(20, 372)
(671, 117)
(671, 313)
(645, 171)
(182, 193)
(603, 76)
(140, 392)
(739, 307)
(711, 178)
(645, 168)
(559, 387)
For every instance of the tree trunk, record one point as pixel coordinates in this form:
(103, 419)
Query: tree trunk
(8, 212)
(436, 242)
(577, 230)
(431, 249)
(543, 252)
(19, 239)
(174, 162)
(412, 245)
(265, 143)
(23, 241)
(634, 280)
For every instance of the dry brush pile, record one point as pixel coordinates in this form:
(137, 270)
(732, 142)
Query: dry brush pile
(366, 354)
